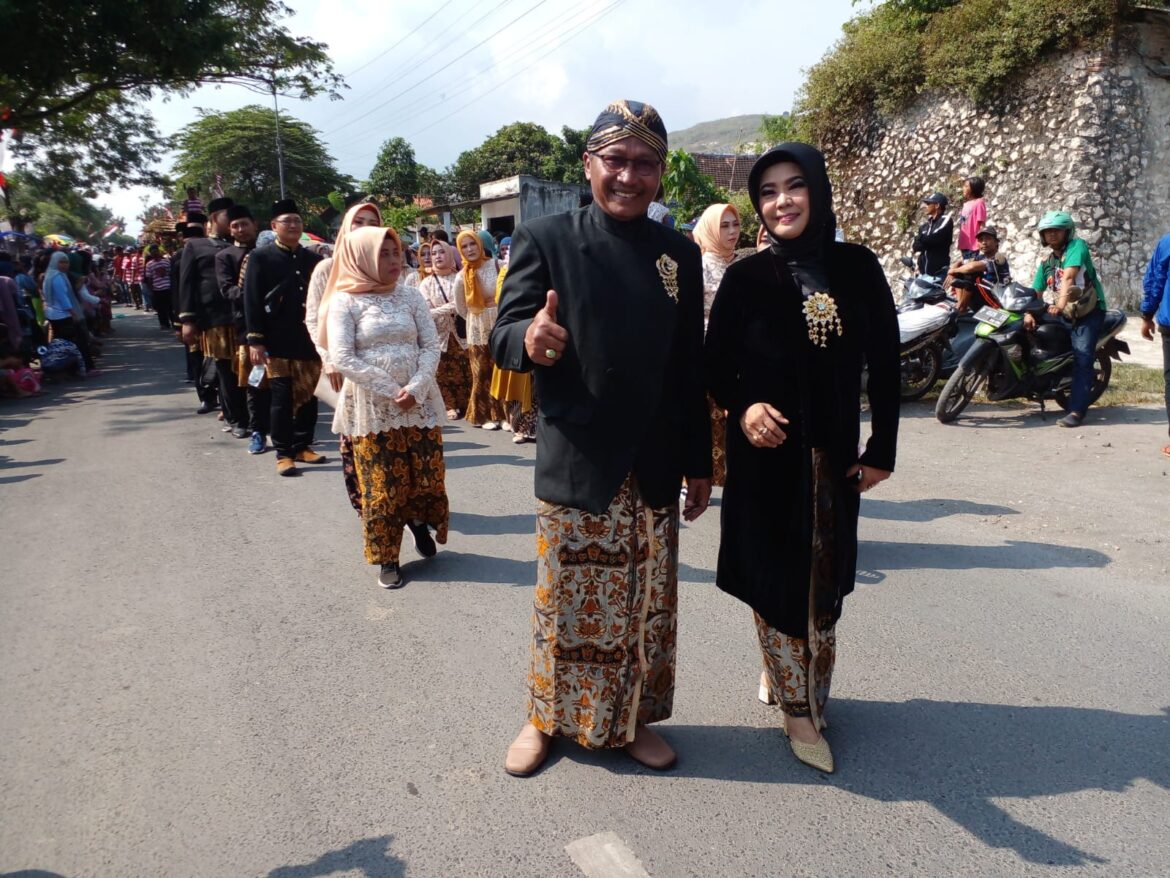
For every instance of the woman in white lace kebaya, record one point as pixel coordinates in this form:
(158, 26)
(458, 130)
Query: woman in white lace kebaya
(438, 287)
(382, 338)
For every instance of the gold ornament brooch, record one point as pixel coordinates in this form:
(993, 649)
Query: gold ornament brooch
(820, 313)
(668, 271)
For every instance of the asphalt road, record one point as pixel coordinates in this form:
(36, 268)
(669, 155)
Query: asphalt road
(200, 677)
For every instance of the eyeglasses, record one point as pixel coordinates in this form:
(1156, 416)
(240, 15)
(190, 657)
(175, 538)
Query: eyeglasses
(290, 221)
(615, 164)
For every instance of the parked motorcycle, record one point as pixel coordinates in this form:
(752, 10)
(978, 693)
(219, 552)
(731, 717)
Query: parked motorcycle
(1014, 363)
(934, 335)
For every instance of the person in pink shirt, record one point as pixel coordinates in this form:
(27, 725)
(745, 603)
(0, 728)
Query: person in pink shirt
(973, 217)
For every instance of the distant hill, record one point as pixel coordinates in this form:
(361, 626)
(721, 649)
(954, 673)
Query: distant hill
(719, 135)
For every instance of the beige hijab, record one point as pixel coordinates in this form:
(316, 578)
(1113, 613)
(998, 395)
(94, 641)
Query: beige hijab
(708, 236)
(331, 283)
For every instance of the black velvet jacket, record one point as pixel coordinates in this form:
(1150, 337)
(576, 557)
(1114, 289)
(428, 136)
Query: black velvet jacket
(228, 263)
(758, 350)
(627, 395)
(199, 297)
(276, 281)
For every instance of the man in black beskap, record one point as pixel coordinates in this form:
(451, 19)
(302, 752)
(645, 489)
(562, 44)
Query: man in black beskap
(229, 271)
(192, 228)
(276, 280)
(207, 315)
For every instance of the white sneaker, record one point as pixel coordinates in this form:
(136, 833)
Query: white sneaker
(506, 426)
(491, 425)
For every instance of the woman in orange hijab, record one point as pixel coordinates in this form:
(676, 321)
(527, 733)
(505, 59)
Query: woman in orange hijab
(475, 301)
(438, 288)
(359, 216)
(382, 338)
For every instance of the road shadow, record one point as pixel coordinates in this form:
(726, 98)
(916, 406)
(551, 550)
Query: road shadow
(880, 556)
(370, 856)
(31, 873)
(472, 523)
(464, 461)
(956, 757)
(449, 566)
(927, 509)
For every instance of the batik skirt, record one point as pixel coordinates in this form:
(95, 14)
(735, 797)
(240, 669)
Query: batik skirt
(605, 619)
(718, 444)
(402, 477)
(454, 377)
(482, 407)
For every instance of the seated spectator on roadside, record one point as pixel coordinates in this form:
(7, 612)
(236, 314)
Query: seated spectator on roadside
(61, 357)
(990, 265)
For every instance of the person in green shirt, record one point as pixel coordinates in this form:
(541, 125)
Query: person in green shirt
(1070, 265)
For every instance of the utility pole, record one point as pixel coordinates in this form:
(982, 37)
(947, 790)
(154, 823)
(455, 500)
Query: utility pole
(279, 145)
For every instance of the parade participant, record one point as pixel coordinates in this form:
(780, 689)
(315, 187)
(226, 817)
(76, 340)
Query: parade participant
(359, 216)
(1060, 278)
(475, 302)
(790, 332)
(276, 282)
(206, 385)
(514, 389)
(438, 288)
(1155, 310)
(382, 339)
(607, 306)
(935, 236)
(157, 276)
(415, 276)
(717, 233)
(132, 266)
(208, 316)
(229, 272)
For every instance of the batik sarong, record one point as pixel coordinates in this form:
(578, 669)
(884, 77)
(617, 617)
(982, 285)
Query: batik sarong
(304, 374)
(402, 477)
(454, 377)
(482, 407)
(799, 671)
(219, 342)
(605, 619)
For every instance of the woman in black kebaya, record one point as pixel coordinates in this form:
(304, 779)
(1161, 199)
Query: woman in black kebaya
(791, 329)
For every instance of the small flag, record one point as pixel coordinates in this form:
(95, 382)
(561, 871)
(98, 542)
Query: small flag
(217, 189)
(110, 229)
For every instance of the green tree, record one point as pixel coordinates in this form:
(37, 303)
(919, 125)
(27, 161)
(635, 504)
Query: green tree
(400, 216)
(76, 76)
(519, 148)
(570, 167)
(777, 129)
(688, 190)
(395, 176)
(239, 146)
(52, 211)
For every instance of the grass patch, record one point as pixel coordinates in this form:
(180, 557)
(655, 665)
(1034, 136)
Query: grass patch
(1132, 384)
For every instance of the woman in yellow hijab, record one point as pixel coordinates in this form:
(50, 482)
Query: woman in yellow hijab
(475, 301)
(514, 389)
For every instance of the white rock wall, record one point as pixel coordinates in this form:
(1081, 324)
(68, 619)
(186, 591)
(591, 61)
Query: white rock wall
(1088, 133)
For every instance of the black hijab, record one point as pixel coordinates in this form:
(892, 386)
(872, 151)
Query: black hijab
(804, 255)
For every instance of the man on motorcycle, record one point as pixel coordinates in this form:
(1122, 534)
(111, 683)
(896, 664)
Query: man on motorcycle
(934, 238)
(991, 265)
(1069, 266)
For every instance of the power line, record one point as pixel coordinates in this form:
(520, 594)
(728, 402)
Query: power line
(581, 29)
(401, 71)
(489, 37)
(429, 18)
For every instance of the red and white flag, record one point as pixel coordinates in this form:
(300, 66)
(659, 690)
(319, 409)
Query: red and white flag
(110, 229)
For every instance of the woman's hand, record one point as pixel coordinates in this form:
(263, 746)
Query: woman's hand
(761, 423)
(405, 400)
(866, 476)
(336, 379)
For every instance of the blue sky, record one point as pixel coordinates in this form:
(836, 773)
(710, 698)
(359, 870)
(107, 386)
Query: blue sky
(448, 73)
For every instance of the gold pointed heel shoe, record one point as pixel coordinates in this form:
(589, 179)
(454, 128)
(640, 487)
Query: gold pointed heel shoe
(817, 755)
(765, 695)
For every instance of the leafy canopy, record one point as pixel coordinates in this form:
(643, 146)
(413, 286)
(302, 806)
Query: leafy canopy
(519, 148)
(395, 176)
(240, 147)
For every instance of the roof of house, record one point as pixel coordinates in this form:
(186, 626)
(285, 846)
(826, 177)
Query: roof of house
(729, 171)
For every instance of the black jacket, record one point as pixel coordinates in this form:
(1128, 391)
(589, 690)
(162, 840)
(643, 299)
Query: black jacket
(758, 350)
(200, 301)
(933, 245)
(276, 281)
(627, 396)
(228, 263)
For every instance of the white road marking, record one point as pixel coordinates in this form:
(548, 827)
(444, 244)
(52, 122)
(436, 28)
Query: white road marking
(605, 855)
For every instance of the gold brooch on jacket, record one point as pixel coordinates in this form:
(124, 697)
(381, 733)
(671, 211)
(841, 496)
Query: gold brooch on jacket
(668, 271)
(820, 313)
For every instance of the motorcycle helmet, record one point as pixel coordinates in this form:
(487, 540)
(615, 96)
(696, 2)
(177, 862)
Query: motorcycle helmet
(1056, 219)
